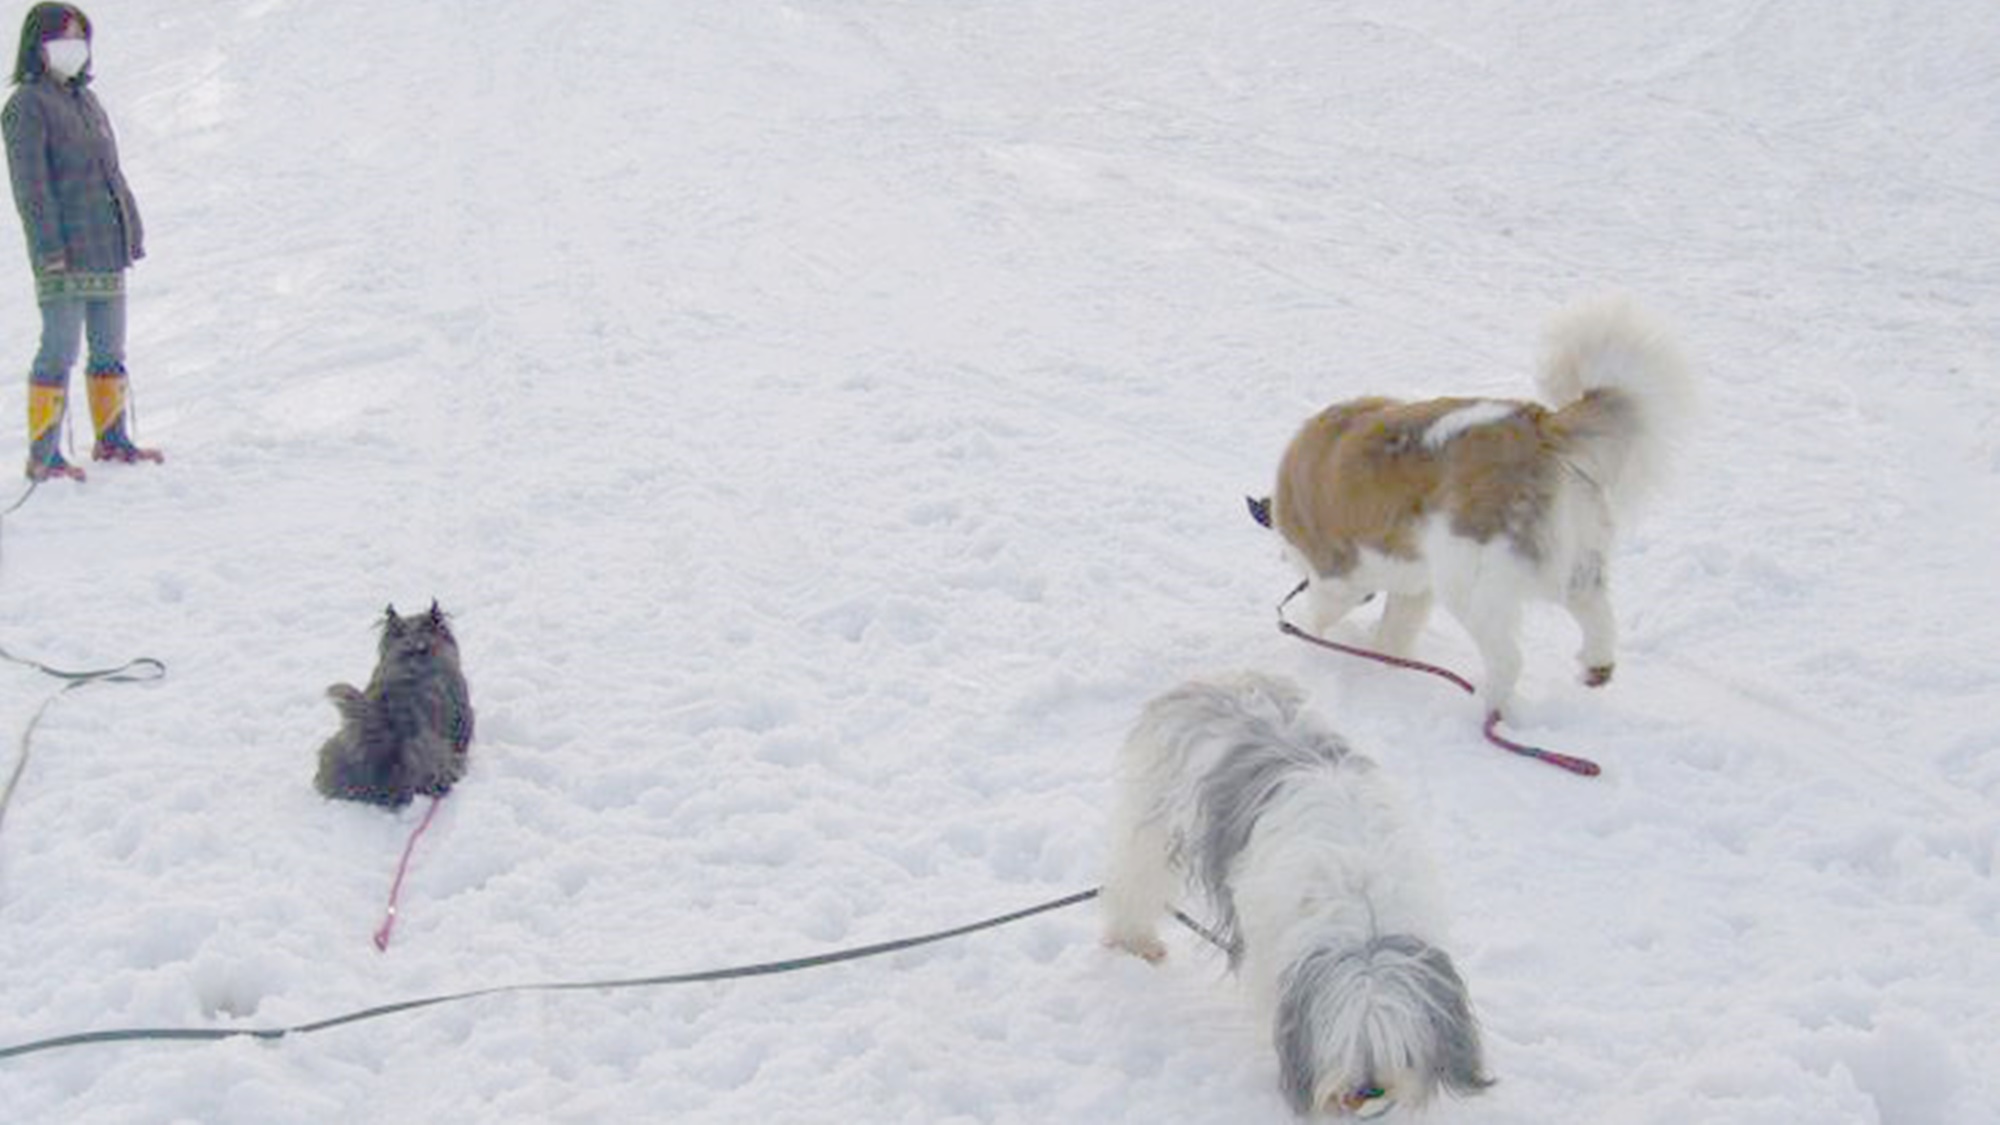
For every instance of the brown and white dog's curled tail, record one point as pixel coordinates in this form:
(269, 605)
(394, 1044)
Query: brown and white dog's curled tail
(1623, 394)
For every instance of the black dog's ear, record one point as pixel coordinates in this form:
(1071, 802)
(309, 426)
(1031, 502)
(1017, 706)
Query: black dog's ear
(1260, 509)
(390, 622)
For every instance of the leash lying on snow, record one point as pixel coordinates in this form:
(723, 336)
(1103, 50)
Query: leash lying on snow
(388, 926)
(131, 672)
(21, 500)
(141, 670)
(1581, 766)
(767, 968)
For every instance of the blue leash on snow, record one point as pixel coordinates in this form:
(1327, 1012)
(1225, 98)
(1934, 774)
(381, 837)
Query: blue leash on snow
(767, 968)
(25, 493)
(10, 509)
(141, 670)
(739, 972)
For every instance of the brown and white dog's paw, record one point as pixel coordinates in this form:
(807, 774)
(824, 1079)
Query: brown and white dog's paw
(1597, 675)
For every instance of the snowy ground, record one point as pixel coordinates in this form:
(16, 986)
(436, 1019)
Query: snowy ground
(827, 422)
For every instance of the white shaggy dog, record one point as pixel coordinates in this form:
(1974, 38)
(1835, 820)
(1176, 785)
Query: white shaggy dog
(1322, 892)
(1488, 503)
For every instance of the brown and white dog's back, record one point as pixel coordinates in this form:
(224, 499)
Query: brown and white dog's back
(1484, 503)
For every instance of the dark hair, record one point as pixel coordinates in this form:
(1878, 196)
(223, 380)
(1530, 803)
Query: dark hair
(45, 21)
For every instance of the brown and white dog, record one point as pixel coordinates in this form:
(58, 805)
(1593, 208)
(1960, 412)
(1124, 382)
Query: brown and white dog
(1488, 503)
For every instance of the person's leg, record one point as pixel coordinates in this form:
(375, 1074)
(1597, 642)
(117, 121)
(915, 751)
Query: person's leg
(105, 379)
(48, 385)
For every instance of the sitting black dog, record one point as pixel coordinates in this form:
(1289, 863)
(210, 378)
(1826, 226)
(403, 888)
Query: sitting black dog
(407, 732)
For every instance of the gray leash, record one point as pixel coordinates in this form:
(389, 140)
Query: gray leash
(740, 972)
(143, 669)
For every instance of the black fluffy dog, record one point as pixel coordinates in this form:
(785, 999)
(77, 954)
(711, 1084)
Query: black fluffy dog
(407, 732)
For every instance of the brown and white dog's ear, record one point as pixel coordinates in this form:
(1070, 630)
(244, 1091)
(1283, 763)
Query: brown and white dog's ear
(1260, 509)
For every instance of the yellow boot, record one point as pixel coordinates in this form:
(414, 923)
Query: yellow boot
(107, 390)
(45, 413)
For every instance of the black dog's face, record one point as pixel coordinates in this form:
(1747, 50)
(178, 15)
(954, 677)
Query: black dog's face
(416, 638)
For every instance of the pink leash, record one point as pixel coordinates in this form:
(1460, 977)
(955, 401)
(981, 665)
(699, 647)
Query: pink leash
(1581, 766)
(402, 869)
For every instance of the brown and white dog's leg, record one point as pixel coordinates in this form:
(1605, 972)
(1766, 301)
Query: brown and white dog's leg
(1329, 601)
(1588, 600)
(1402, 618)
(1491, 612)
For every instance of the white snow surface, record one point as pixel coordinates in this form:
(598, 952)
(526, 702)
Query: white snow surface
(827, 424)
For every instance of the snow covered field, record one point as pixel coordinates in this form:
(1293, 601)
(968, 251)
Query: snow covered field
(827, 422)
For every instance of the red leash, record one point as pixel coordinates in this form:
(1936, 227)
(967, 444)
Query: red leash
(1581, 766)
(402, 869)
(1464, 684)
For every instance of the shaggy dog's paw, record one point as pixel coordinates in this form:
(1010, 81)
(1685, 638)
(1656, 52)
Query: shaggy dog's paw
(1148, 949)
(1597, 675)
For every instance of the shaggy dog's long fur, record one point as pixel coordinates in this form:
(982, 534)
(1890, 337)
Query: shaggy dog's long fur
(1322, 892)
(1487, 504)
(407, 732)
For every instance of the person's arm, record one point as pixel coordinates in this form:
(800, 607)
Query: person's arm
(34, 194)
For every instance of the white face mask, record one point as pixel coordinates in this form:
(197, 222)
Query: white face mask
(66, 57)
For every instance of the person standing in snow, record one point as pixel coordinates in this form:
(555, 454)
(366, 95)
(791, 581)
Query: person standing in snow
(83, 233)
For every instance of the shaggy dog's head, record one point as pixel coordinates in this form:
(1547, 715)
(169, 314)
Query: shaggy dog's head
(1362, 1031)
